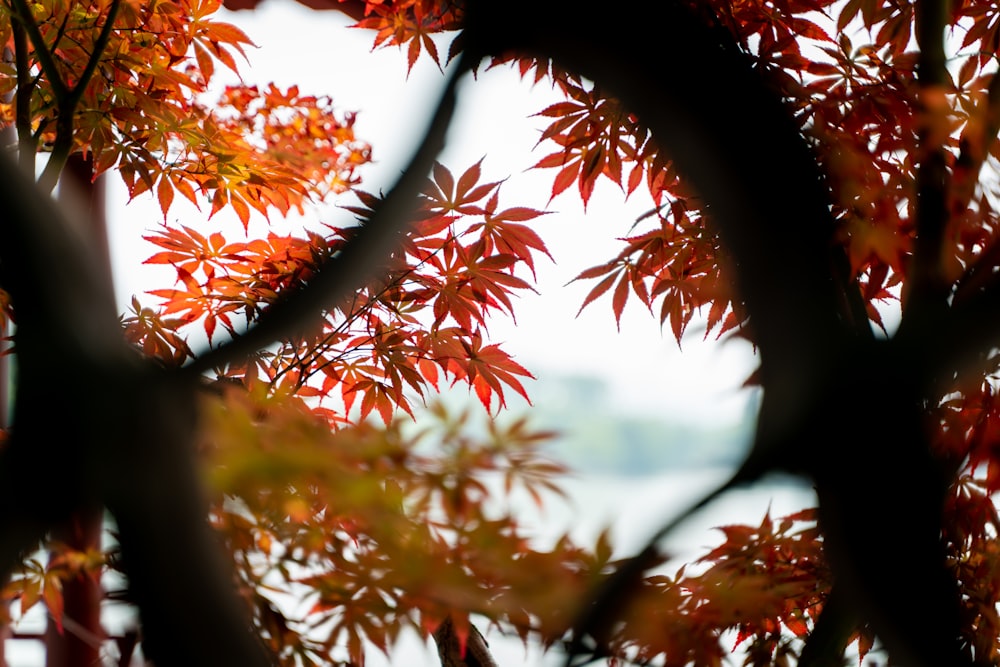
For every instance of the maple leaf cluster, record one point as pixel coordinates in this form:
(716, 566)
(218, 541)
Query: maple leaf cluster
(128, 84)
(411, 24)
(759, 591)
(373, 531)
(422, 323)
(354, 518)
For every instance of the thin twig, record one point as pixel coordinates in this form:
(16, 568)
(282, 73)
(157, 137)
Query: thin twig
(69, 100)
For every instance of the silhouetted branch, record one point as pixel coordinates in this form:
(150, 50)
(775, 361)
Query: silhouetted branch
(726, 132)
(360, 260)
(926, 292)
(828, 640)
(123, 436)
(454, 651)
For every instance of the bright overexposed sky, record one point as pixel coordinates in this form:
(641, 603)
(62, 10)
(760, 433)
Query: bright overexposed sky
(646, 371)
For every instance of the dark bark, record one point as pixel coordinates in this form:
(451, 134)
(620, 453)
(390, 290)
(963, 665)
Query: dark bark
(94, 425)
(76, 641)
(124, 435)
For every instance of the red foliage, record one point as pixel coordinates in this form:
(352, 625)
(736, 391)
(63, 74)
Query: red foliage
(378, 532)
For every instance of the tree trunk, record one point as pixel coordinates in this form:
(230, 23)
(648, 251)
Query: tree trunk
(78, 642)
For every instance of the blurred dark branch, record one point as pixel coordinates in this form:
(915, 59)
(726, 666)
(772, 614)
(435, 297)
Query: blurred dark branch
(129, 444)
(926, 292)
(931, 18)
(92, 424)
(837, 622)
(453, 651)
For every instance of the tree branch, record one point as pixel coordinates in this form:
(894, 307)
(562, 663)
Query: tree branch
(124, 438)
(26, 141)
(826, 644)
(101, 43)
(359, 261)
(67, 325)
(454, 652)
(22, 15)
(821, 380)
(68, 102)
(931, 17)
(926, 292)
(131, 446)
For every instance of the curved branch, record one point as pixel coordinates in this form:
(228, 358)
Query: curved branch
(754, 168)
(359, 261)
(767, 194)
(736, 142)
(27, 143)
(826, 644)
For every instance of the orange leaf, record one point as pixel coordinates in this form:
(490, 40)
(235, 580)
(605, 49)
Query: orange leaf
(165, 195)
(241, 209)
(205, 63)
(219, 200)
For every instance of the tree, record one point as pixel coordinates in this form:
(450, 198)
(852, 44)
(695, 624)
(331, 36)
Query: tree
(115, 84)
(802, 182)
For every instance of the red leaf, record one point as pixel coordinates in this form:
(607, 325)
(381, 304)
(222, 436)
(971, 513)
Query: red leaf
(469, 178)
(600, 289)
(619, 298)
(444, 180)
(564, 179)
(519, 214)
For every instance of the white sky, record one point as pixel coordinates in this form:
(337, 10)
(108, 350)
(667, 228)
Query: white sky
(316, 51)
